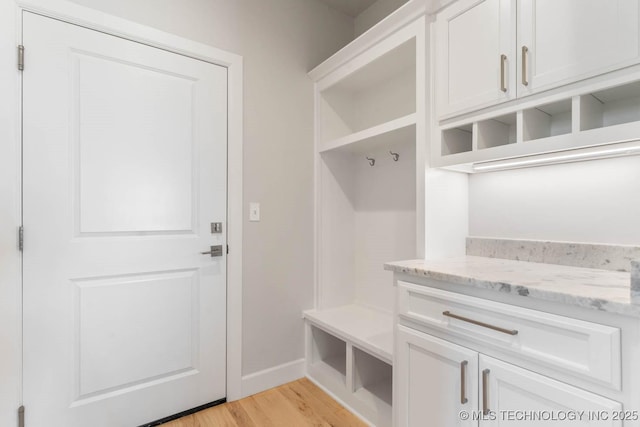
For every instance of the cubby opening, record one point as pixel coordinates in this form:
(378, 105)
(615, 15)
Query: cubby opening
(329, 353)
(610, 107)
(496, 132)
(372, 379)
(377, 93)
(547, 120)
(367, 217)
(457, 140)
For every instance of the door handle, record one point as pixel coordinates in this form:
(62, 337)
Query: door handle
(215, 251)
(463, 382)
(503, 85)
(485, 392)
(525, 53)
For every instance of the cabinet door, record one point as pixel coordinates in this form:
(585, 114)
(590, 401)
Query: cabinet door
(435, 380)
(510, 393)
(570, 40)
(475, 55)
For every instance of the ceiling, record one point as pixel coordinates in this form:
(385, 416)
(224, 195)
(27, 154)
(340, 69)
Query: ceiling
(350, 7)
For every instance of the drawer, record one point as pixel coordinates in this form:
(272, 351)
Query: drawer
(586, 349)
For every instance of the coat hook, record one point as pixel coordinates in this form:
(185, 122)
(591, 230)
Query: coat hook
(396, 156)
(372, 162)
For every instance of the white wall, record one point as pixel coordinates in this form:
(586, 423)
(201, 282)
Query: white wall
(594, 202)
(375, 13)
(280, 41)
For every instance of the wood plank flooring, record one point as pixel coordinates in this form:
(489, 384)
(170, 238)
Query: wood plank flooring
(297, 404)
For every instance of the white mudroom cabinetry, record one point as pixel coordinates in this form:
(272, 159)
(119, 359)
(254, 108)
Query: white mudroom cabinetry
(491, 51)
(370, 150)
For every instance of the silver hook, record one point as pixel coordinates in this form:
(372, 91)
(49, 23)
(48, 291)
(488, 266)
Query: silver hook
(396, 156)
(372, 162)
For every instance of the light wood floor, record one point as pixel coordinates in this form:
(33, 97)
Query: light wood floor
(297, 404)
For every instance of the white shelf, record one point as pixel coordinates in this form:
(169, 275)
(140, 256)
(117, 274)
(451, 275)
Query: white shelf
(368, 329)
(577, 122)
(401, 129)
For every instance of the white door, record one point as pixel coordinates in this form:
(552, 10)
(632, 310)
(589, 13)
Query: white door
(124, 171)
(570, 40)
(435, 381)
(475, 55)
(512, 393)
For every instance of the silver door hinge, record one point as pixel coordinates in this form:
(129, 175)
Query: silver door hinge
(21, 416)
(21, 58)
(21, 238)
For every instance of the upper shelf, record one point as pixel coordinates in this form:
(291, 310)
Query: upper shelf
(401, 129)
(579, 122)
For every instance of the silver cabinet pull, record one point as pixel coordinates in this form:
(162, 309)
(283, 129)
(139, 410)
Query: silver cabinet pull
(525, 53)
(463, 382)
(215, 251)
(485, 392)
(503, 85)
(484, 325)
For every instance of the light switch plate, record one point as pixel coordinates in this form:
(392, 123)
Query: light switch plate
(254, 211)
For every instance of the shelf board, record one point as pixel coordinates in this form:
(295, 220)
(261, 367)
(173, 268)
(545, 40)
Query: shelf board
(368, 329)
(400, 129)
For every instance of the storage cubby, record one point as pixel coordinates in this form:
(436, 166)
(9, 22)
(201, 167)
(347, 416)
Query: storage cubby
(547, 120)
(372, 379)
(610, 107)
(373, 385)
(329, 354)
(379, 92)
(496, 132)
(457, 140)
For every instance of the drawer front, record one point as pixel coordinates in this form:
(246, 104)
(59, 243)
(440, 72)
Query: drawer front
(586, 349)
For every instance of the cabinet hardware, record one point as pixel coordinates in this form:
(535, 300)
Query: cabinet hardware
(503, 85)
(485, 392)
(395, 156)
(463, 382)
(372, 162)
(525, 53)
(21, 58)
(484, 325)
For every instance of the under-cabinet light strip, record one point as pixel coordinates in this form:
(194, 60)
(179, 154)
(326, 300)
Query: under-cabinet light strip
(560, 157)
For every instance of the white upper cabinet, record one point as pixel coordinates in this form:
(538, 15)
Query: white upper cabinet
(563, 41)
(475, 55)
(492, 51)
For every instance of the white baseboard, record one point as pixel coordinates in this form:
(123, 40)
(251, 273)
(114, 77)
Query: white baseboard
(272, 377)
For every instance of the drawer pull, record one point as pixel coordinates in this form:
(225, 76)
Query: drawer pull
(484, 325)
(485, 392)
(463, 382)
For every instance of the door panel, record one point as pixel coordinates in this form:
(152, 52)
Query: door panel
(575, 39)
(124, 170)
(471, 37)
(429, 381)
(512, 389)
(151, 144)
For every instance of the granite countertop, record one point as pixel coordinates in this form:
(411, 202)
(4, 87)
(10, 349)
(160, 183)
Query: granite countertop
(591, 288)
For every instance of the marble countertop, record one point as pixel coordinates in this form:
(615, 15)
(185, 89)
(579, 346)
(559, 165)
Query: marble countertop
(595, 289)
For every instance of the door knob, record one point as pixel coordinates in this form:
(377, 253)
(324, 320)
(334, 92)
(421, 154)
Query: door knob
(215, 251)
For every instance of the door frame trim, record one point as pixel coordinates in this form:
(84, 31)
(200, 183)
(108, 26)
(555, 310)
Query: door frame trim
(72, 13)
